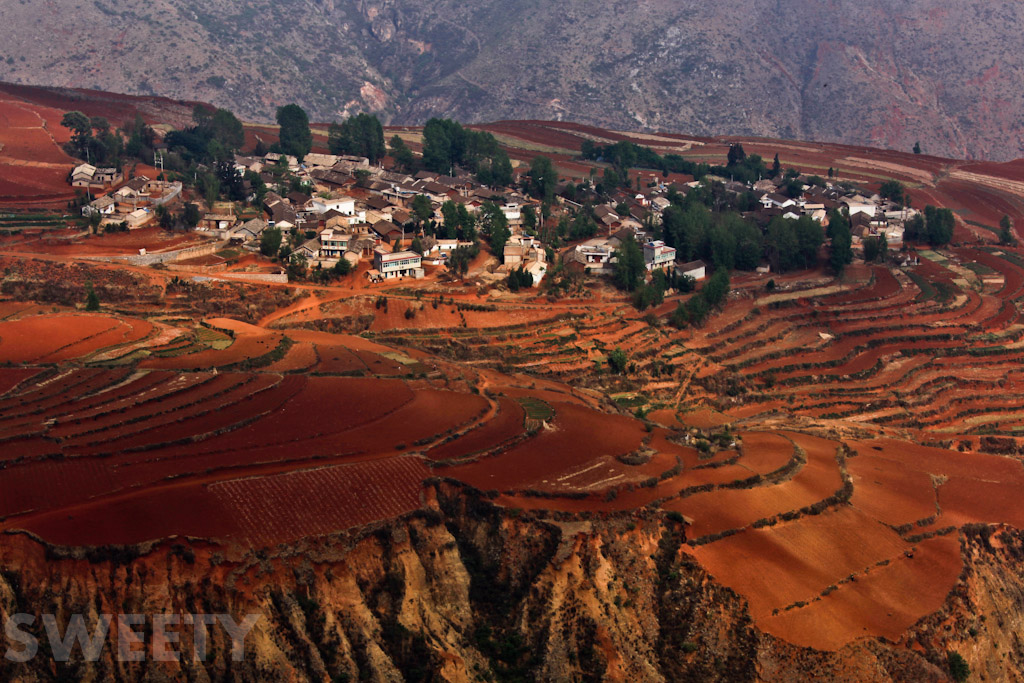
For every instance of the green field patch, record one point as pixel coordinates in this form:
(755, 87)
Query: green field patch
(536, 409)
(213, 338)
(928, 291)
(933, 256)
(980, 269)
(629, 400)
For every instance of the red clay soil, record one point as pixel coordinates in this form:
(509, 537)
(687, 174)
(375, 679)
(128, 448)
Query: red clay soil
(893, 495)
(333, 499)
(58, 337)
(115, 107)
(579, 435)
(718, 511)
(883, 603)
(506, 424)
(798, 560)
(12, 377)
(301, 356)
(32, 164)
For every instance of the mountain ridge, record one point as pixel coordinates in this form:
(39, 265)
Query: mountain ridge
(881, 73)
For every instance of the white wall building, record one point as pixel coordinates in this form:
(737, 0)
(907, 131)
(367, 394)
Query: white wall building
(658, 255)
(398, 264)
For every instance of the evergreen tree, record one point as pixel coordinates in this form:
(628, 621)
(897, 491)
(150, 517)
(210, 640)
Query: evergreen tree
(841, 250)
(939, 224)
(359, 135)
(630, 268)
(270, 241)
(296, 139)
(1006, 232)
(403, 156)
(543, 178)
(92, 300)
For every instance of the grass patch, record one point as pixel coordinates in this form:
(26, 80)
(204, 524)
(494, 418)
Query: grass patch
(630, 400)
(213, 338)
(928, 291)
(536, 409)
(979, 269)
(991, 229)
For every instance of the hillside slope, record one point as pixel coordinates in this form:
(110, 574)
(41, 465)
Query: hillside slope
(879, 72)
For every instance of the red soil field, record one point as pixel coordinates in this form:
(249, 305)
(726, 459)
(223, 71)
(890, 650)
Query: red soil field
(507, 424)
(718, 511)
(579, 435)
(800, 559)
(58, 337)
(886, 602)
(32, 163)
(115, 107)
(893, 495)
(333, 499)
(12, 377)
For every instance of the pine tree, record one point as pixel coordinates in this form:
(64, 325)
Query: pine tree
(92, 301)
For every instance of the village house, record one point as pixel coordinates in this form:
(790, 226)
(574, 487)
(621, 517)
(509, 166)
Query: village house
(658, 255)
(777, 201)
(595, 255)
(859, 204)
(309, 250)
(105, 177)
(248, 231)
(388, 232)
(440, 249)
(81, 175)
(87, 175)
(138, 218)
(216, 221)
(132, 191)
(333, 244)
(698, 270)
(343, 205)
(389, 265)
(522, 249)
(104, 206)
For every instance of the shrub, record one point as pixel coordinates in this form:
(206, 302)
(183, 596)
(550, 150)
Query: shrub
(958, 668)
(617, 360)
(92, 302)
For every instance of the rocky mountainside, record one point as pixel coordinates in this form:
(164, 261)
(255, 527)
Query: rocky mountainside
(466, 590)
(880, 72)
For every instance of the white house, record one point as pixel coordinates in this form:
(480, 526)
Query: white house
(397, 264)
(82, 175)
(513, 213)
(698, 270)
(345, 205)
(658, 255)
(538, 269)
(103, 206)
(595, 254)
(858, 204)
(776, 201)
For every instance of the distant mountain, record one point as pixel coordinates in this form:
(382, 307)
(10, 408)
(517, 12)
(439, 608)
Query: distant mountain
(876, 72)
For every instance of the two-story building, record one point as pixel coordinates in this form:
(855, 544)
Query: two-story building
(389, 265)
(333, 244)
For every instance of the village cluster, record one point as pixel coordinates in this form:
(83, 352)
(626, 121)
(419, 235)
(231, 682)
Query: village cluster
(365, 214)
